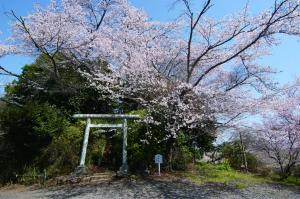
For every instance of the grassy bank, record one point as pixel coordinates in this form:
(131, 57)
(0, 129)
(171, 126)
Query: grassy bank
(207, 173)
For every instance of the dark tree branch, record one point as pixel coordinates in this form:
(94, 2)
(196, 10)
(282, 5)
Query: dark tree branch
(271, 21)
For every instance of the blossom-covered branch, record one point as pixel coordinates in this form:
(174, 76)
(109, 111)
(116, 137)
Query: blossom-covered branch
(183, 80)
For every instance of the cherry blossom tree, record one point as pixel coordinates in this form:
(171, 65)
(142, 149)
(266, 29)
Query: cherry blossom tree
(4, 50)
(207, 75)
(217, 63)
(279, 134)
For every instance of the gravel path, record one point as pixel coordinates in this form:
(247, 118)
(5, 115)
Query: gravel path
(154, 189)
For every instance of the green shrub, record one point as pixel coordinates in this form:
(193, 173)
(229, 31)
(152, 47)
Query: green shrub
(293, 180)
(96, 151)
(28, 131)
(253, 162)
(234, 154)
(31, 175)
(182, 157)
(296, 171)
(224, 166)
(62, 155)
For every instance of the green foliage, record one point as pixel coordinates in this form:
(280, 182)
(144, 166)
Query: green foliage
(140, 153)
(234, 154)
(182, 155)
(177, 153)
(31, 175)
(292, 180)
(296, 171)
(202, 137)
(70, 92)
(224, 166)
(253, 162)
(38, 131)
(95, 152)
(28, 130)
(62, 155)
(221, 173)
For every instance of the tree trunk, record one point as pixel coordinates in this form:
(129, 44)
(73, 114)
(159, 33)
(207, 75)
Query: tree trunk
(170, 155)
(244, 152)
(285, 172)
(171, 158)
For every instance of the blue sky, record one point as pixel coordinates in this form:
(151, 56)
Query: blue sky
(285, 57)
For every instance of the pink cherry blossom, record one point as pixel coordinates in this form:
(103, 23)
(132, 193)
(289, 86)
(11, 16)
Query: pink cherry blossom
(208, 74)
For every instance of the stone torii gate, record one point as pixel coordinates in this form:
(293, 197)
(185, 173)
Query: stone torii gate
(124, 168)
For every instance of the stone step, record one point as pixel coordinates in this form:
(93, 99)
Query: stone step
(96, 177)
(102, 174)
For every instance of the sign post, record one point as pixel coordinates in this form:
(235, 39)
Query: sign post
(158, 160)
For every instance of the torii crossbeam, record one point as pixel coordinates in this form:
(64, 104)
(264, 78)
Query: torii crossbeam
(89, 125)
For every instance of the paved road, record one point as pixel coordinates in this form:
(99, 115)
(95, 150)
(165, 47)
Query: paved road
(154, 189)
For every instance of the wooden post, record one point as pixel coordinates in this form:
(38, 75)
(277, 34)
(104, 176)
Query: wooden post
(85, 142)
(44, 176)
(158, 169)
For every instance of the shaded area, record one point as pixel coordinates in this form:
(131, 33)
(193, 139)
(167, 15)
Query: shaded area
(149, 188)
(146, 188)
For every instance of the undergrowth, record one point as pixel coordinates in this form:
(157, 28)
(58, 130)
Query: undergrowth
(223, 173)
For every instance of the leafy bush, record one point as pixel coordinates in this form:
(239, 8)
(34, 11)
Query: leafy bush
(141, 150)
(62, 155)
(96, 150)
(31, 175)
(28, 130)
(292, 180)
(234, 154)
(253, 162)
(224, 166)
(222, 173)
(182, 156)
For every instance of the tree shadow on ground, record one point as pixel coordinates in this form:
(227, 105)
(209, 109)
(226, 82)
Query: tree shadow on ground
(142, 188)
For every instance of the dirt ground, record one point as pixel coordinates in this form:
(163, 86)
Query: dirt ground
(149, 188)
